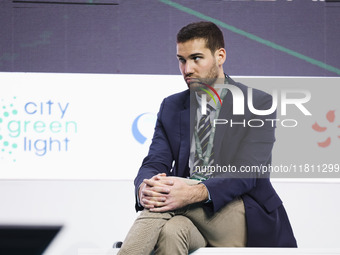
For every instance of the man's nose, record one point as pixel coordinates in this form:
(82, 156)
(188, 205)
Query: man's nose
(188, 68)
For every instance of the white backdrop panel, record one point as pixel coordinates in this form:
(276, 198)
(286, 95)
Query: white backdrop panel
(99, 126)
(78, 126)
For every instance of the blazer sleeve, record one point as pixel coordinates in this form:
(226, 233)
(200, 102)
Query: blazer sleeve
(159, 158)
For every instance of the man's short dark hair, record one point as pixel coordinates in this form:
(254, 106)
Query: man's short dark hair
(202, 30)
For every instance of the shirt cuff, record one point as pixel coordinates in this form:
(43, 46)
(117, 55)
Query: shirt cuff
(209, 198)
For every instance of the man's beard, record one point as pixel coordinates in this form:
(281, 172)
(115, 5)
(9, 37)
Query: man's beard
(197, 84)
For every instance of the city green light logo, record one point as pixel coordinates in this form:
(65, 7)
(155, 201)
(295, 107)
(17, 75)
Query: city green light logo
(37, 127)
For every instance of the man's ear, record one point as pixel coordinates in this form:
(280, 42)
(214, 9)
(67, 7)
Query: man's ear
(221, 56)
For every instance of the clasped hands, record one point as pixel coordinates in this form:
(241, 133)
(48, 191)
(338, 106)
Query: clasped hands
(162, 193)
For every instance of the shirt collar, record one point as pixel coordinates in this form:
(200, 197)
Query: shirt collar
(212, 101)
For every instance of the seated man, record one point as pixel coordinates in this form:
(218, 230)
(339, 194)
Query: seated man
(185, 204)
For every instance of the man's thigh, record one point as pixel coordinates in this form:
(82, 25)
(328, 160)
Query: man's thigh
(179, 236)
(143, 235)
(226, 227)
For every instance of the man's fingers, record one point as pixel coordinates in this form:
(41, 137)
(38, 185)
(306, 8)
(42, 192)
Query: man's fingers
(166, 181)
(149, 182)
(148, 206)
(161, 190)
(156, 186)
(159, 181)
(156, 177)
(160, 209)
(153, 202)
(161, 177)
(154, 193)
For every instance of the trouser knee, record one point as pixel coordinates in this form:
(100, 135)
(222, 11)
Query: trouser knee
(175, 230)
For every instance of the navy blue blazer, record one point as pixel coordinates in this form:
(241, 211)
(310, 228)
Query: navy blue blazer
(267, 222)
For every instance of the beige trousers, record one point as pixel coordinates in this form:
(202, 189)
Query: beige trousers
(186, 229)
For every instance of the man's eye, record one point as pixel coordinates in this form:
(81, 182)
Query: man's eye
(196, 58)
(182, 60)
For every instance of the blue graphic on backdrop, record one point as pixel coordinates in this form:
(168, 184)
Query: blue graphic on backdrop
(143, 126)
(8, 144)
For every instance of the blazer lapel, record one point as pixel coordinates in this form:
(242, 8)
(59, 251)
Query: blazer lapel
(221, 129)
(184, 150)
(187, 122)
